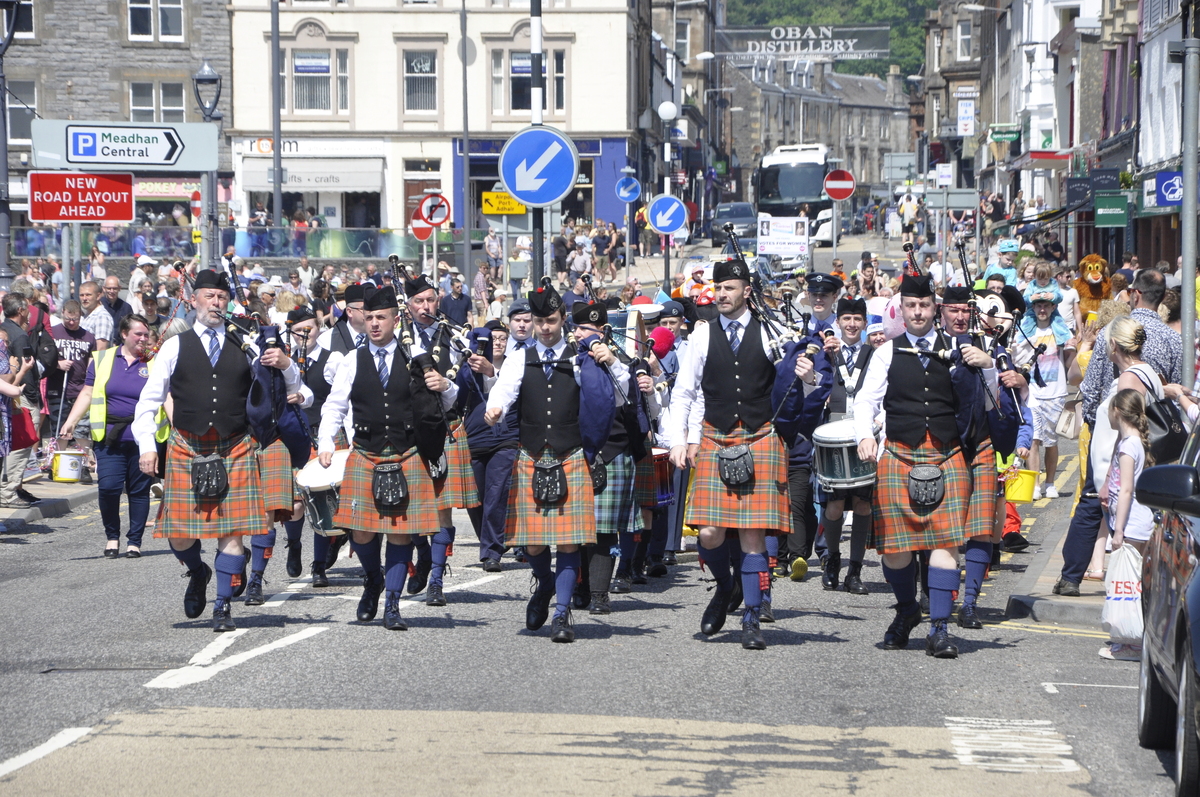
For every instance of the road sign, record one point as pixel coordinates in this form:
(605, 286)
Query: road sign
(538, 166)
(121, 146)
(197, 206)
(434, 209)
(197, 236)
(421, 229)
(945, 175)
(955, 199)
(839, 184)
(628, 189)
(498, 203)
(667, 215)
(74, 196)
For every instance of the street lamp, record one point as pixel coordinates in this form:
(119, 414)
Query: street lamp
(207, 83)
(976, 8)
(9, 9)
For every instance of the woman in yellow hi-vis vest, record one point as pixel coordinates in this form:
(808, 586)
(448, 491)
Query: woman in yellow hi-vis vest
(114, 382)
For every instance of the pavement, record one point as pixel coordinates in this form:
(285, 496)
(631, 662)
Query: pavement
(56, 500)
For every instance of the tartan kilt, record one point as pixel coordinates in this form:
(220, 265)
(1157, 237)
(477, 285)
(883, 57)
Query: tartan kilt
(277, 481)
(897, 525)
(615, 504)
(981, 508)
(457, 490)
(239, 512)
(569, 522)
(645, 482)
(763, 504)
(356, 503)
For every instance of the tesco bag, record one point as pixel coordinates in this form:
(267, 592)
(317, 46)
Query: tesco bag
(1122, 614)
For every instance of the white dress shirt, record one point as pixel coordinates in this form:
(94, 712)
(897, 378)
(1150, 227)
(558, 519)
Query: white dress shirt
(158, 386)
(508, 384)
(685, 419)
(337, 404)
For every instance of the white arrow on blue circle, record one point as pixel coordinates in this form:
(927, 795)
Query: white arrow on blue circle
(667, 214)
(628, 189)
(538, 166)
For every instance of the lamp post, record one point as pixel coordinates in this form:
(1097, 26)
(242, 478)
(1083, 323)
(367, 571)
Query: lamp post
(975, 8)
(9, 9)
(207, 83)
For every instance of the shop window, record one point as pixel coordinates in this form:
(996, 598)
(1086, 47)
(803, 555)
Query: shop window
(422, 164)
(420, 81)
(22, 108)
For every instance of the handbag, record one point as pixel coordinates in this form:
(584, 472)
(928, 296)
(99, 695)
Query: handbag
(389, 487)
(1167, 433)
(23, 434)
(926, 485)
(1070, 421)
(735, 464)
(209, 477)
(549, 481)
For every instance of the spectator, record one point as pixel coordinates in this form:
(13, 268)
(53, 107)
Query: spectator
(600, 244)
(322, 303)
(1069, 306)
(1168, 271)
(578, 293)
(495, 310)
(16, 319)
(373, 275)
(579, 262)
(1129, 266)
(297, 285)
(117, 307)
(139, 244)
(1052, 249)
(95, 318)
(560, 248)
(63, 384)
(457, 306)
(493, 248)
(479, 288)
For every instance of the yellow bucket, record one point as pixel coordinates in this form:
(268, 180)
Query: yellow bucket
(1019, 489)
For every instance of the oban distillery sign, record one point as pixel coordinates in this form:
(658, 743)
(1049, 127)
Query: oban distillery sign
(844, 42)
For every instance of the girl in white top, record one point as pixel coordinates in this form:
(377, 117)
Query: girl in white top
(1129, 521)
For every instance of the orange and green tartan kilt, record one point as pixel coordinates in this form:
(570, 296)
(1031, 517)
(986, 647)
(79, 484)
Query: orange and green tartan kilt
(981, 508)
(457, 490)
(571, 521)
(238, 512)
(277, 481)
(645, 483)
(898, 525)
(761, 504)
(357, 510)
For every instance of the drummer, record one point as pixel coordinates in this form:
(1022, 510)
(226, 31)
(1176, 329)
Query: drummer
(375, 384)
(849, 367)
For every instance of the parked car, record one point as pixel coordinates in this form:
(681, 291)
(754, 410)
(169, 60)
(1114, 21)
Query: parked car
(1169, 680)
(741, 215)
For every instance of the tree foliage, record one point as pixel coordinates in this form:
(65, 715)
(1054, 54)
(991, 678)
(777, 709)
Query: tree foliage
(905, 17)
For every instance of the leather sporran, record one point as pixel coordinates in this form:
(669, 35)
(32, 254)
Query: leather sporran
(735, 465)
(549, 481)
(926, 485)
(599, 475)
(438, 469)
(388, 484)
(209, 477)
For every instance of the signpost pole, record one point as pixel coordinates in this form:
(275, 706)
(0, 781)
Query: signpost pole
(468, 268)
(64, 259)
(537, 97)
(629, 250)
(1187, 210)
(76, 260)
(276, 100)
(833, 229)
(6, 275)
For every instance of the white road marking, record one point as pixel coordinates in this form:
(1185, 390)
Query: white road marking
(1051, 687)
(193, 674)
(215, 648)
(1010, 745)
(420, 596)
(292, 590)
(56, 742)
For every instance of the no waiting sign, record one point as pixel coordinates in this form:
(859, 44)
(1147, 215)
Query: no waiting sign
(76, 196)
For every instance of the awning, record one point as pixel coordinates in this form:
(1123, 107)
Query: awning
(1041, 159)
(316, 174)
(1039, 222)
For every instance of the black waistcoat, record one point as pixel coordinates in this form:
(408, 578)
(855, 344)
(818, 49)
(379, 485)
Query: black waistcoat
(549, 408)
(206, 397)
(737, 388)
(381, 417)
(314, 377)
(919, 398)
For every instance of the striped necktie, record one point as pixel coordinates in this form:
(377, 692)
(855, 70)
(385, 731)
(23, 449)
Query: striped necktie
(383, 366)
(734, 341)
(214, 348)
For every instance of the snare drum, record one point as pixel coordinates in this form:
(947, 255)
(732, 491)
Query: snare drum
(319, 488)
(662, 476)
(835, 456)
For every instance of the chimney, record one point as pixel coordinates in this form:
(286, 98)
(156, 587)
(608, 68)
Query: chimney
(895, 85)
(818, 76)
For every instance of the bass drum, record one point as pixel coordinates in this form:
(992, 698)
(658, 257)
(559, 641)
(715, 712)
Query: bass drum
(835, 458)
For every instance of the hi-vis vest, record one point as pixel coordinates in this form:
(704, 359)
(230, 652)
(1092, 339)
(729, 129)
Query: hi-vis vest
(98, 412)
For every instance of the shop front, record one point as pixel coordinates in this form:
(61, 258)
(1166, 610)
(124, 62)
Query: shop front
(1157, 217)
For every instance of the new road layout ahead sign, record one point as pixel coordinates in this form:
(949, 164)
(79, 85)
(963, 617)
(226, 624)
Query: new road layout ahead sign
(75, 196)
(122, 146)
(538, 166)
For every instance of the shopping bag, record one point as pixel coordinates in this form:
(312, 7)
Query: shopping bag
(1122, 613)
(1070, 421)
(23, 434)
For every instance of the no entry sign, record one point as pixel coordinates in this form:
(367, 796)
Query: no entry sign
(421, 229)
(75, 196)
(839, 184)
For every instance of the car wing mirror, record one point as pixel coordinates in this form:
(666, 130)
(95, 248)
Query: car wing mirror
(1173, 488)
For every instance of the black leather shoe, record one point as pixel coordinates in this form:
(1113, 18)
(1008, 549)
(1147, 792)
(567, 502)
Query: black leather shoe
(319, 579)
(368, 605)
(1014, 542)
(765, 613)
(560, 628)
(195, 599)
(735, 597)
(537, 611)
(752, 638)
(600, 603)
(133, 553)
(622, 583)
(896, 637)
(111, 553)
(669, 559)
(434, 596)
(639, 571)
(938, 643)
(853, 582)
(221, 620)
(924, 603)
(392, 620)
(254, 593)
(491, 566)
(294, 564)
(657, 569)
(335, 544)
(1068, 589)
(581, 598)
(714, 614)
(420, 576)
(25, 495)
(967, 617)
(831, 573)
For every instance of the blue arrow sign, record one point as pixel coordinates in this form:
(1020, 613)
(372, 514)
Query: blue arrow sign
(538, 166)
(667, 215)
(628, 189)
